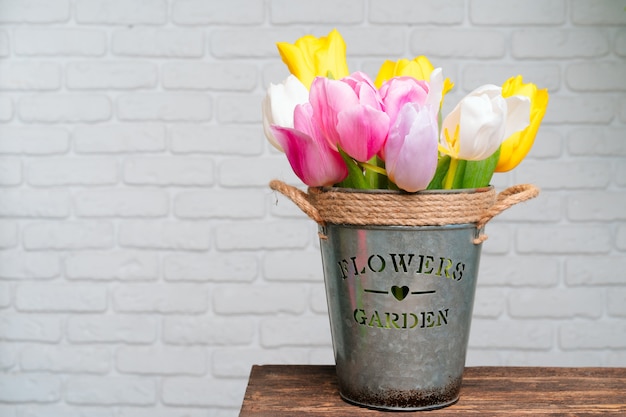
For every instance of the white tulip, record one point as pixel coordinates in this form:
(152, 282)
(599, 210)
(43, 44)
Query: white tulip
(279, 104)
(435, 88)
(480, 122)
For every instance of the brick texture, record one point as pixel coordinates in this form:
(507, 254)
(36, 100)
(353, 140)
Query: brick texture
(145, 265)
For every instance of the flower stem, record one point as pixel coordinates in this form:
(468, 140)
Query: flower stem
(448, 182)
(374, 168)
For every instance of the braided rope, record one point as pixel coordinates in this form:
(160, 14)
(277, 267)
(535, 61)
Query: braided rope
(394, 208)
(402, 209)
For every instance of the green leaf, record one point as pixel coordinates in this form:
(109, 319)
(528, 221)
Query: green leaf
(371, 178)
(442, 169)
(478, 173)
(392, 186)
(355, 178)
(454, 176)
(460, 174)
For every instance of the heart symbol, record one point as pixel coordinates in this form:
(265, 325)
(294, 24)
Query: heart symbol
(400, 292)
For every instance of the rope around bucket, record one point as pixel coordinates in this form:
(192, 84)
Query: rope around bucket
(394, 208)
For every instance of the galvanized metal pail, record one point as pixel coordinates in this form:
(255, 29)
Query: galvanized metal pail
(400, 286)
(400, 303)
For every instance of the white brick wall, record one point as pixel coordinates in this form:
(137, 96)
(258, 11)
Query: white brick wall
(144, 263)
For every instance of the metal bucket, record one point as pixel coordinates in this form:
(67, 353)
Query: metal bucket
(400, 302)
(400, 278)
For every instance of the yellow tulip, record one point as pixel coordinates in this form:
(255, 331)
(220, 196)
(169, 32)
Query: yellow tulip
(515, 148)
(419, 68)
(311, 57)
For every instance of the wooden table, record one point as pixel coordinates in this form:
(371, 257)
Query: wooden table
(311, 391)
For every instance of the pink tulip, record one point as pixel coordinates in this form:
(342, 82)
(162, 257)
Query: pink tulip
(411, 148)
(350, 114)
(399, 91)
(308, 152)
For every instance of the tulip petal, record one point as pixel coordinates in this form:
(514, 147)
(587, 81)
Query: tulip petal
(364, 89)
(308, 152)
(419, 68)
(298, 63)
(435, 88)
(279, 103)
(362, 131)
(386, 72)
(516, 146)
(482, 127)
(328, 98)
(313, 162)
(402, 90)
(411, 148)
(266, 107)
(334, 56)
(475, 128)
(518, 114)
(310, 57)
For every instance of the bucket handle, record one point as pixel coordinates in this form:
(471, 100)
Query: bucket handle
(505, 199)
(299, 198)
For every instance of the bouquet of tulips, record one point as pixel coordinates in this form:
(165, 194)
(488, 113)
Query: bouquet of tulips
(344, 129)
